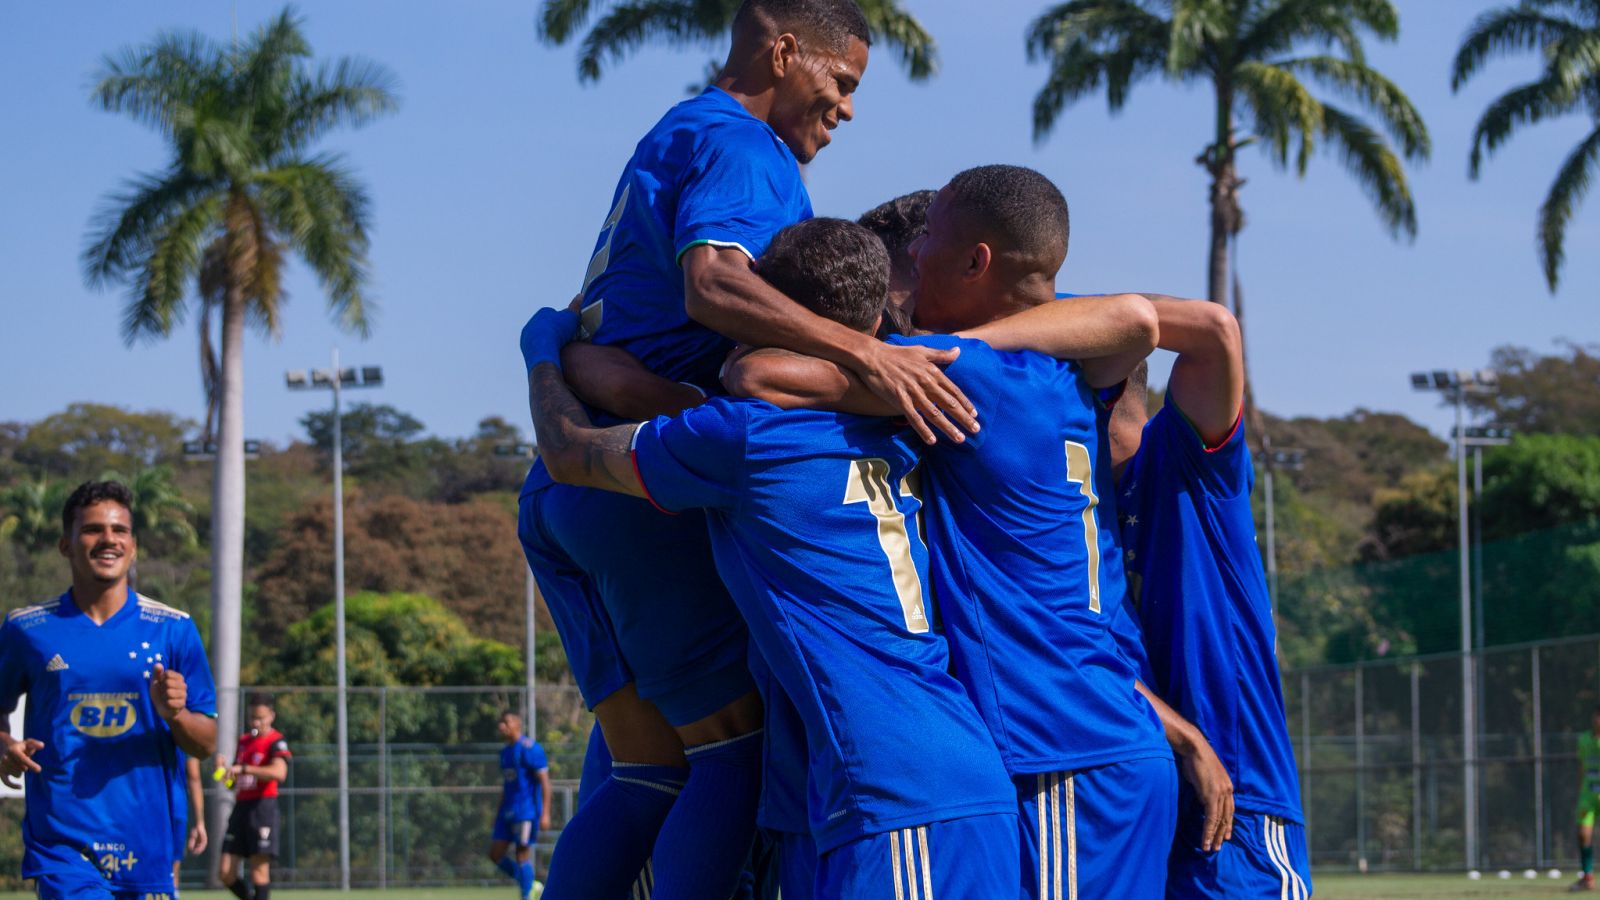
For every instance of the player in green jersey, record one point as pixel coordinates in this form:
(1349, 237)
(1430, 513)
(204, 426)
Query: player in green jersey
(1588, 799)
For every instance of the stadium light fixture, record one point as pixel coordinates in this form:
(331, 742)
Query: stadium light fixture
(1456, 386)
(196, 451)
(337, 379)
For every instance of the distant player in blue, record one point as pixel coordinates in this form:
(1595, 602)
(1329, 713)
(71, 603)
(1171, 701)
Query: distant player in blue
(1202, 601)
(118, 691)
(814, 517)
(654, 641)
(524, 804)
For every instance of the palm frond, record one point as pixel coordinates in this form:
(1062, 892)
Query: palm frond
(632, 24)
(1377, 93)
(1283, 109)
(171, 259)
(893, 26)
(1371, 161)
(1573, 61)
(322, 211)
(1501, 32)
(1080, 71)
(157, 84)
(125, 227)
(1097, 23)
(1571, 185)
(348, 92)
(561, 19)
(1522, 105)
(1199, 28)
(1089, 43)
(1328, 23)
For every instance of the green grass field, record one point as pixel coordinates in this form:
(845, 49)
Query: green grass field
(1328, 887)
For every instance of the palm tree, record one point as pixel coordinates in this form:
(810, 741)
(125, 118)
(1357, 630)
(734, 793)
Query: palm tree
(30, 512)
(1247, 53)
(629, 24)
(1567, 34)
(242, 180)
(160, 512)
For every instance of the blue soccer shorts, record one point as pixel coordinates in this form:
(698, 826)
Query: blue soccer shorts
(636, 597)
(1265, 858)
(974, 858)
(49, 887)
(1098, 832)
(514, 830)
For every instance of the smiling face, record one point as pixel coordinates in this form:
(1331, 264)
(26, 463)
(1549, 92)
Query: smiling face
(814, 91)
(101, 547)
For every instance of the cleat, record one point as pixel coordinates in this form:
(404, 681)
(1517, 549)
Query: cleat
(1585, 882)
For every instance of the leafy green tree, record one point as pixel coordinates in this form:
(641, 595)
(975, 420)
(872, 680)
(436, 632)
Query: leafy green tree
(627, 25)
(30, 513)
(1545, 394)
(1248, 53)
(1566, 35)
(379, 440)
(86, 439)
(160, 511)
(240, 123)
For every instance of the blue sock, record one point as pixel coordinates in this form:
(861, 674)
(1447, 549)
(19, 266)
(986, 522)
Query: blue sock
(507, 866)
(525, 876)
(596, 766)
(706, 840)
(606, 843)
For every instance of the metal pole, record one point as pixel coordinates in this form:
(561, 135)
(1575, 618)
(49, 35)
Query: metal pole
(1538, 763)
(338, 632)
(1416, 767)
(1305, 742)
(531, 602)
(383, 788)
(1477, 551)
(1468, 701)
(1272, 543)
(1361, 773)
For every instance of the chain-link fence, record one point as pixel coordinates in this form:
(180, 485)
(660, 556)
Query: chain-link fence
(424, 778)
(1384, 760)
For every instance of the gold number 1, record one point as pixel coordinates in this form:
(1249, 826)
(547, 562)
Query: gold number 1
(1080, 471)
(869, 483)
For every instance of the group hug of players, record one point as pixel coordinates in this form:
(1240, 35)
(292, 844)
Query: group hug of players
(864, 549)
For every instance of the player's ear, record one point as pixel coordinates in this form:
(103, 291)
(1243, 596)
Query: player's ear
(784, 55)
(979, 259)
(64, 543)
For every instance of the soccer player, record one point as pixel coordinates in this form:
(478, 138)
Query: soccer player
(814, 517)
(655, 643)
(118, 689)
(188, 832)
(1588, 799)
(259, 765)
(1201, 598)
(524, 804)
(898, 223)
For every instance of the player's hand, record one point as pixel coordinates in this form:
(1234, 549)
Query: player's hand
(909, 378)
(18, 759)
(197, 839)
(544, 821)
(1205, 773)
(168, 692)
(545, 334)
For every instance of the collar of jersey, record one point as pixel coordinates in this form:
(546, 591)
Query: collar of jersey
(68, 608)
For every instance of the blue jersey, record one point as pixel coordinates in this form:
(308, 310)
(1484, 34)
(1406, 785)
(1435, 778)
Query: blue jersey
(521, 761)
(1025, 573)
(1203, 604)
(102, 806)
(784, 758)
(813, 520)
(707, 173)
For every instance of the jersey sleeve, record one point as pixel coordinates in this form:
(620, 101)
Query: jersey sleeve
(189, 660)
(534, 759)
(1221, 471)
(741, 189)
(279, 749)
(693, 459)
(13, 671)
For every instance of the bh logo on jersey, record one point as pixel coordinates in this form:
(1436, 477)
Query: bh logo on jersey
(103, 715)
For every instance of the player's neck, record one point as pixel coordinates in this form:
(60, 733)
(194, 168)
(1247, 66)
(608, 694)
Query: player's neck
(100, 601)
(754, 96)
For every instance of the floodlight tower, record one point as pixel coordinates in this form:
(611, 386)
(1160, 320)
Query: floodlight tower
(335, 379)
(1455, 386)
(529, 600)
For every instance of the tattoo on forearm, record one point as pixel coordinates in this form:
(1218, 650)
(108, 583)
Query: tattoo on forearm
(563, 430)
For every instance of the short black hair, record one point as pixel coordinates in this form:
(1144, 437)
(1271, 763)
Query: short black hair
(261, 700)
(511, 714)
(833, 267)
(1015, 209)
(898, 222)
(88, 494)
(830, 23)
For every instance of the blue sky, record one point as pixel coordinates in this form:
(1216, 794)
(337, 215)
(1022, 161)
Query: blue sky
(491, 181)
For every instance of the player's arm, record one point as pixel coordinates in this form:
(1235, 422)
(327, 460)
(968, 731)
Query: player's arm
(543, 775)
(274, 770)
(16, 756)
(573, 450)
(1201, 768)
(611, 379)
(1107, 335)
(195, 794)
(1207, 381)
(723, 293)
(195, 732)
(792, 380)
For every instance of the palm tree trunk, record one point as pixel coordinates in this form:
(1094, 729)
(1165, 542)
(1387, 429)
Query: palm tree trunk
(227, 532)
(1227, 219)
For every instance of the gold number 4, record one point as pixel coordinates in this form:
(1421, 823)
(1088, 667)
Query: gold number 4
(869, 483)
(1080, 471)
